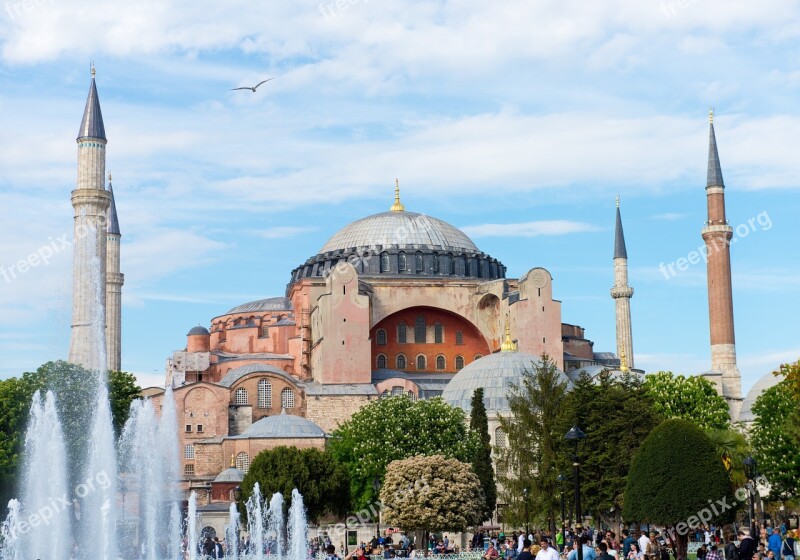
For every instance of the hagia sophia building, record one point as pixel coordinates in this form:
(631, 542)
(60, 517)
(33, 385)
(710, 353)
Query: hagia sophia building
(396, 303)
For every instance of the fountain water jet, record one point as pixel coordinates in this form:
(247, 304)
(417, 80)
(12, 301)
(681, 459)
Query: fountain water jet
(298, 528)
(232, 532)
(191, 527)
(255, 523)
(275, 523)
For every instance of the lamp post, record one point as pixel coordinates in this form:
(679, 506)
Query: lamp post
(575, 436)
(525, 500)
(561, 479)
(750, 472)
(376, 485)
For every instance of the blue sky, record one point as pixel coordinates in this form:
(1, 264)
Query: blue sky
(518, 121)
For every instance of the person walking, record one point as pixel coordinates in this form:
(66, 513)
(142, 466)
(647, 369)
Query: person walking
(788, 545)
(775, 543)
(747, 546)
(546, 552)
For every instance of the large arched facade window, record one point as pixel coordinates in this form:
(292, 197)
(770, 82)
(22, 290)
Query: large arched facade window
(459, 363)
(381, 363)
(418, 262)
(287, 398)
(384, 262)
(402, 333)
(441, 363)
(401, 362)
(380, 337)
(438, 333)
(420, 329)
(264, 394)
(401, 262)
(243, 461)
(421, 362)
(240, 396)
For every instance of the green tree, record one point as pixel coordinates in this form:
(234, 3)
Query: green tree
(322, 481)
(397, 428)
(482, 460)
(791, 373)
(692, 398)
(535, 450)
(432, 493)
(774, 448)
(677, 480)
(732, 449)
(617, 415)
(75, 389)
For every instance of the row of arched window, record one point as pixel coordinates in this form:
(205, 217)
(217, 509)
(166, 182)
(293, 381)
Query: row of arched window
(420, 333)
(441, 264)
(241, 396)
(398, 390)
(421, 362)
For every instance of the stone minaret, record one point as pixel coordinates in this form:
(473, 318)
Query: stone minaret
(90, 201)
(622, 294)
(717, 234)
(114, 282)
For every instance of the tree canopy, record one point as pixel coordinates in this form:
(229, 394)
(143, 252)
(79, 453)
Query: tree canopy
(394, 428)
(772, 438)
(535, 450)
(617, 414)
(322, 481)
(692, 398)
(482, 460)
(676, 479)
(432, 493)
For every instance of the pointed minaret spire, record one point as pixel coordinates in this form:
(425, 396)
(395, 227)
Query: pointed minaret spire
(92, 123)
(622, 294)
(114, 282)
(717, 235)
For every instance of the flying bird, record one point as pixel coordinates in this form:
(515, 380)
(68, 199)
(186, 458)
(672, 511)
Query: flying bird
(253, 89)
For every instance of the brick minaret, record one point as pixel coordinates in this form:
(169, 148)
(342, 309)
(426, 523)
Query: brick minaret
(90, 201)
(717, 234)
(622, 294)
(114, 281)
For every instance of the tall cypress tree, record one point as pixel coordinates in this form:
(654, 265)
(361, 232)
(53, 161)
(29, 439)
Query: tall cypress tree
(482, 461)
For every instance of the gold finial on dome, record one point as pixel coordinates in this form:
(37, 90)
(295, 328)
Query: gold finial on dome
(711, 115)
(508, 344)
(233, 461)
(93, 72)
(397, 206)
(617, 201)
(623, 363)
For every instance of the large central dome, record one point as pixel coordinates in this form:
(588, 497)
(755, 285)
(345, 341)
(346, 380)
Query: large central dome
(402, 229)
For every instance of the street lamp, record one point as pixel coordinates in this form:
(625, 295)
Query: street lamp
(376, 485)
(575, 436)
(525, 498)
(561, 479)
(237, 493)
(750, 472)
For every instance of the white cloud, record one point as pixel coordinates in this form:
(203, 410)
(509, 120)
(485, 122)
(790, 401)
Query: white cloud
(528, 229)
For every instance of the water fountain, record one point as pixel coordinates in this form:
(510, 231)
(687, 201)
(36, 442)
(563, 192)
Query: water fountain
(232, 532)
(191, 527)
(275, 524)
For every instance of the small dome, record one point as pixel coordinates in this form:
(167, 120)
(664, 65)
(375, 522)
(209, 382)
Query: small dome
(282, 426)
(231, 474)
(495, 373)
(403, 229)
(767, 380)
(269, 304)
(198, 330)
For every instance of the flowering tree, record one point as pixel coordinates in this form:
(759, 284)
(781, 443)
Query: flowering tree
(432, 493)
(394, 428)
(774, 448)
(692, 398)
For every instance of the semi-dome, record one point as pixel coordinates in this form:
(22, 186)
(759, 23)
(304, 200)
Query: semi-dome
(403, 229)
(282, 426)
(198, 330)
(495, 373)
(231, 474)
(767, 380)
(269, 304)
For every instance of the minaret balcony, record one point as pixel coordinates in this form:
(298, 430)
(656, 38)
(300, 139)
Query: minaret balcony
(621, 292)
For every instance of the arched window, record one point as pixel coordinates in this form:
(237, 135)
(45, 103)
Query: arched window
(478, 356)
(397, 390)
(401, 261)
(287, 398)
(264, 330)
(412, 395)
(459, 362)
(438, 333)
(421, 362)
(188, 451)
(419, 330)
(380, 337)
(500, 439)
(243, 461)
(385, 394)
(384, 262)
(459, 337)
(381, 361)
(418, 263)
(264, 394)
(241, 396)
(441, 363)
(401, 362)
(435, 264)
(402, 333)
